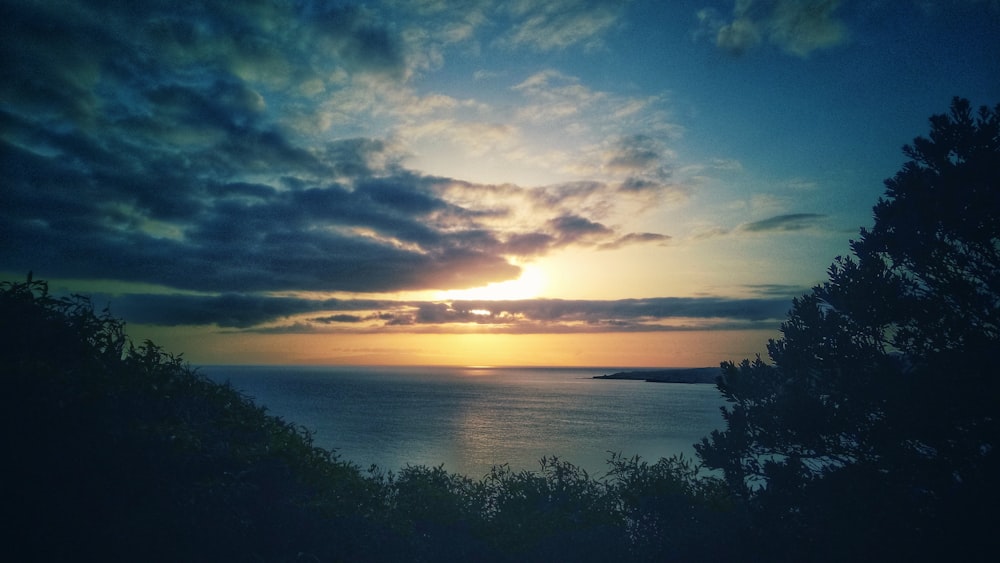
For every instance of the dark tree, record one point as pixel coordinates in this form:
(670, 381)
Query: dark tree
(118, 452)
(873, 431)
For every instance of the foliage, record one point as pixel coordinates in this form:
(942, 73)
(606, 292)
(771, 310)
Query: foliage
(877, 418)
(122, 452)
(432, 514)
(559, 512)
(674, 512)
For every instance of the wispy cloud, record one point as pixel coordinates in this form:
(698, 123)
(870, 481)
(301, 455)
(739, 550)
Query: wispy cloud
(785, 223)
(554, 95)
(798, 27)
(476, 138)
(558, 24)
(789, 222)
(231, 310)
(635, 238)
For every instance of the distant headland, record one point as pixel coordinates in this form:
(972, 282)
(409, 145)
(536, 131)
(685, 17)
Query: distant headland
(670, 375)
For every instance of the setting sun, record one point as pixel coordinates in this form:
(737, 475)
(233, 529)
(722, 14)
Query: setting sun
(529, 285)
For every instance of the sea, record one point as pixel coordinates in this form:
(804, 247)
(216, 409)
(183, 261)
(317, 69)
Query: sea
(468, 419)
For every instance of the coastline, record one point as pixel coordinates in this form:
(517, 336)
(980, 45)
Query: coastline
(670, 375)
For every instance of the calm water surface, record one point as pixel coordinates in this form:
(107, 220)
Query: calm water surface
(472, 418)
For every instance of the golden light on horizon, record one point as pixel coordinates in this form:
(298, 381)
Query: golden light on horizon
(529, 285)
(704, 348)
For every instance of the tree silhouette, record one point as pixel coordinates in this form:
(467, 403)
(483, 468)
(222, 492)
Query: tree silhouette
(117, 452)
(874, 430)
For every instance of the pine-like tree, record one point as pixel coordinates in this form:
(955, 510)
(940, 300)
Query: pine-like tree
(874, 430)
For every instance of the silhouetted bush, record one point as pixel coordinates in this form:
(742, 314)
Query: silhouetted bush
(123, 453)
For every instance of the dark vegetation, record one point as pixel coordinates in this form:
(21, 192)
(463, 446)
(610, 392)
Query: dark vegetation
(874, 432)
(118, 452)
(871, 434)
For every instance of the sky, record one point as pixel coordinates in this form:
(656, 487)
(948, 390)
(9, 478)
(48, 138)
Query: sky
(478, 182)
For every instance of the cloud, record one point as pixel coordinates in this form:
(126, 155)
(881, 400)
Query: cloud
(789, 222)
(645, 166)
(73, 48)
(147, 221)
(530, 244)
(569, 195)
(578, 316)
(635, 238)
(573, 228)
(285, 314)
(342, 318)
(738, 36)
(478, 138)
(777, 224)
(778, 290)
(798, 27)
(380, 228)
(636, 152)
(182, 146)
(553, 125)
(558, 24)
(226, 310)
(156, 145)
(554, 96)
(555, 216)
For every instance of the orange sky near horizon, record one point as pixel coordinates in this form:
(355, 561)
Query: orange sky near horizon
(697, 348)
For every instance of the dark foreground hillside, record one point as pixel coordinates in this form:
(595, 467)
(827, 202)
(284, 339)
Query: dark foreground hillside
(118, 452)
(122, 453)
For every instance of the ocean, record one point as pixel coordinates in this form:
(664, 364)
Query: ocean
(469, 419)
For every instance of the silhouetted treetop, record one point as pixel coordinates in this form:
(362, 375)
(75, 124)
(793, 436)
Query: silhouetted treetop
(882, 390)
(938, 227)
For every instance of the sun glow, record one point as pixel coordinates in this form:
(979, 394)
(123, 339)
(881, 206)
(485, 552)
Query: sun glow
(529, 285)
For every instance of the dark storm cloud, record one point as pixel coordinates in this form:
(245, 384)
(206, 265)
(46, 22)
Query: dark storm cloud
(79, 55)
(556, 315)
(227, 310)
(232, 236)
(356, 157)
(572, 316)
(259, 312)
(550, 310)
(154, 144)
